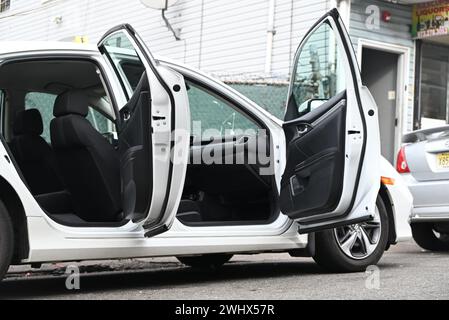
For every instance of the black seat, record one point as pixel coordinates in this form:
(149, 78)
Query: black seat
(33, 154)
(89, 164)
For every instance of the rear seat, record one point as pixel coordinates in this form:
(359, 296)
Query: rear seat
(33, 154)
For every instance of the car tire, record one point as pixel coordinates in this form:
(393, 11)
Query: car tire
(329, 252)
(424, 235)
(205, 261)
(6, 240)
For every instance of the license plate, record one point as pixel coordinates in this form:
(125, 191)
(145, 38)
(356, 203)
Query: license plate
(443, 160)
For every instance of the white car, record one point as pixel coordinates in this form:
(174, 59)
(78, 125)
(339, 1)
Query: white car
(124, 169)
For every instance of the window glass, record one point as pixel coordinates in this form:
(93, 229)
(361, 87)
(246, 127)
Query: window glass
(125, 60)
(4, 5)
(2, 110)
(270, 96)
(211, 114)
(319, 71)
(44, 102)
(434, 85)
(99, 121)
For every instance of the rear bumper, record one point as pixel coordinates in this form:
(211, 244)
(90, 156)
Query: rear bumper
(430, 214)
(430, 199)
(428, 193)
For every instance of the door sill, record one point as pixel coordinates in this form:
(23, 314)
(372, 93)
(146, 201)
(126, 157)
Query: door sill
(302, 229)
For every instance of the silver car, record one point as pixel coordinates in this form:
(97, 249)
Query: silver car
(424, 163)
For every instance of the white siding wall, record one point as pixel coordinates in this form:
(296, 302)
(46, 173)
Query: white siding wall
(292, 20)
(396, 32)
(225, 37)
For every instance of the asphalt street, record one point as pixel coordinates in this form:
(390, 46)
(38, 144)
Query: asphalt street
(405, 272)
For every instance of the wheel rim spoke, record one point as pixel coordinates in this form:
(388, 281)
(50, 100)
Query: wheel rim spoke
(349, 243)
(368, 244)
(346, 235)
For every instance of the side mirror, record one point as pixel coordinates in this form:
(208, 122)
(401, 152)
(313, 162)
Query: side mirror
(315, 103)
(310, 105)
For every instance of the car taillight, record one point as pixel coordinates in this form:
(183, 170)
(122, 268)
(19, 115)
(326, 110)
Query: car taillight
(401, 164)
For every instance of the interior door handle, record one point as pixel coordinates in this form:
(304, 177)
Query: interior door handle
(303, 128)
(126, 115)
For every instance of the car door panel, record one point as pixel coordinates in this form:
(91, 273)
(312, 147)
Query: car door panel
(313, 177)
(331, 175)
(151, 179)
(135, 152)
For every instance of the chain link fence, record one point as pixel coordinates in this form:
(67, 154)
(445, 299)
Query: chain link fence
(269, 93)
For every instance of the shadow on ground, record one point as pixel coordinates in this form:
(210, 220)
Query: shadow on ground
(102, 278)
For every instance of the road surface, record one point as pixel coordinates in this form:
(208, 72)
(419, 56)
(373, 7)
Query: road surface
(405, 272)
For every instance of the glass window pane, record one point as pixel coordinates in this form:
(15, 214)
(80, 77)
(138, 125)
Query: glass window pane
(99, 121)
(270, 96)
(4, 5)
(211, 114)
(125, 59)
(44, 102)
(319, 72)
(434, 85)
(2, 110)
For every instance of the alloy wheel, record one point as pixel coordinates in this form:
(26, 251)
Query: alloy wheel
(358, 241)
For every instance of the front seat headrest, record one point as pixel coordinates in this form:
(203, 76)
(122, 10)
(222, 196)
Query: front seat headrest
(28, 122)
(71, 102)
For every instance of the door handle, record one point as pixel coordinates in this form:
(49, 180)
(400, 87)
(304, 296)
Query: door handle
(126, 115)
(303, 128)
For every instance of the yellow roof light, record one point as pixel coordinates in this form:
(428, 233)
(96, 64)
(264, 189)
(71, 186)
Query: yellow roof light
(81, 39)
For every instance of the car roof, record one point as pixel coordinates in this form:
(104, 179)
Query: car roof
(12, 47)
(8, 47)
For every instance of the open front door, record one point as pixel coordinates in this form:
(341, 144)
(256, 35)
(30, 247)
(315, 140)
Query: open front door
(332, 174)
(151, 183)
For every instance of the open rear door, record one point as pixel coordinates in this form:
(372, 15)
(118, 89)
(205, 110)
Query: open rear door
(332, 173)
(151, 180)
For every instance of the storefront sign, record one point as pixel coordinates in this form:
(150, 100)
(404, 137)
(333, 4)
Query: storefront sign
(430, 19)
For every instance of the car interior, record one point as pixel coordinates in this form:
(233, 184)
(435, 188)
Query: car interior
(235, 188)
(61, 131)
(223, 193)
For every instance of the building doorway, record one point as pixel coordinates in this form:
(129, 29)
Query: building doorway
(380, 75)
(385, 71)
